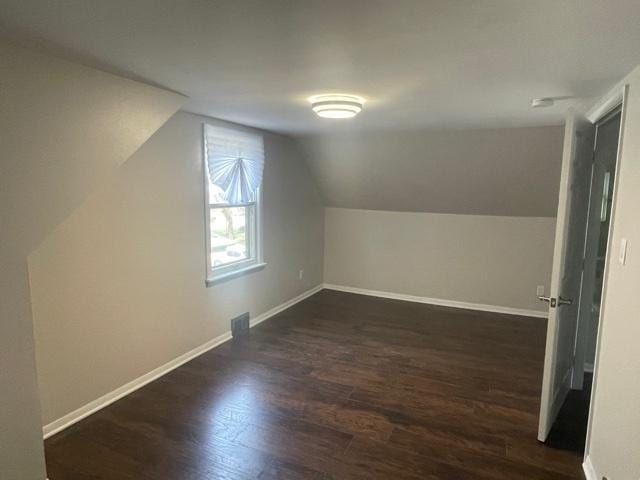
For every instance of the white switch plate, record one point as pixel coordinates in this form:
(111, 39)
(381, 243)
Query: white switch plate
(623, 251)
(540, 290)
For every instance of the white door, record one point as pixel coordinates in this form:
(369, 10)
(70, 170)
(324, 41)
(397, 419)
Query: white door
(566, 273)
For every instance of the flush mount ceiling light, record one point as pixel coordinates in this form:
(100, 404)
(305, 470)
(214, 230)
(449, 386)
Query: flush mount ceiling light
(336, 105)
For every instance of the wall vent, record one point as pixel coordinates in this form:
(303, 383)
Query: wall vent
(240, 325)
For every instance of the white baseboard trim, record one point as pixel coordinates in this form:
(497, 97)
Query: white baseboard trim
(439, 301)
(109, 398)
(589, 470)
(289, 303)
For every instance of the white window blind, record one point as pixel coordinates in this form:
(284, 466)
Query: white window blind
(235, 162)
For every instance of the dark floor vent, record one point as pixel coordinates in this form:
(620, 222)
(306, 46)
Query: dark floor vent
(240, 325)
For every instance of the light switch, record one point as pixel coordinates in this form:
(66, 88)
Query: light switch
(623, 251)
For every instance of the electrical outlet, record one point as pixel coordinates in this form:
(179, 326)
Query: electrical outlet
(300, 274)
(540, 290)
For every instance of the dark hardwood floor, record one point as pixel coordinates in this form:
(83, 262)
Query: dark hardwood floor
(340, 386)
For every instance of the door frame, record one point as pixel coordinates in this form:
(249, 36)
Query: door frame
(617, 97)
(589, 258)
(551, 402)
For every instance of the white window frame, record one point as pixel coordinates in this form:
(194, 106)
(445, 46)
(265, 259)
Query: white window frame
(256, 260)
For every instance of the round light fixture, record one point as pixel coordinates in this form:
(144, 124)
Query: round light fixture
(336, 105)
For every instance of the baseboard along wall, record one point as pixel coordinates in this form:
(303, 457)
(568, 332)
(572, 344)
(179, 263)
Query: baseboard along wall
(120, 392)
(75, 416)
(589, 470)
(439, 301)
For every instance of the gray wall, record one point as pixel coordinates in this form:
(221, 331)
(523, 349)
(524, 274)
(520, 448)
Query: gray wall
(508, 171)
(21, 453)
(121, 283)
(496, 261)
(614, 440)
(63, 128)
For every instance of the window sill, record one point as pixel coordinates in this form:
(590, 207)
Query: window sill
(235, 273)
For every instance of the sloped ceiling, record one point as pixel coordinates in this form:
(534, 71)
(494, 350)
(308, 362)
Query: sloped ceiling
(434, 73)
(509, 171)
(64, 128)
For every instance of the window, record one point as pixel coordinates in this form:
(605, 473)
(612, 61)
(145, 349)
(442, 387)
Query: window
(234, 163)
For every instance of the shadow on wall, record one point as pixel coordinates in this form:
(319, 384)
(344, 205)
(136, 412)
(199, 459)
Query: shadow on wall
(500, 172)
(48, 168)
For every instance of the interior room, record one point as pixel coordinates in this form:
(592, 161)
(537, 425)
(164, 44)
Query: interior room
(277, 239)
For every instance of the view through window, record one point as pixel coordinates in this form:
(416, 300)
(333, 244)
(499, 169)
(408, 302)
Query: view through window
(231, 229)
(233, 174)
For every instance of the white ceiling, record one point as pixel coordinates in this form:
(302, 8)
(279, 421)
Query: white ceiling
(420, 63)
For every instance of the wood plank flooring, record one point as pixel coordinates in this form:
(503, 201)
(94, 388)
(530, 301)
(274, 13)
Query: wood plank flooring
(340, 386)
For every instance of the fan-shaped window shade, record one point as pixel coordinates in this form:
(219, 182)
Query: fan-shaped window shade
(235, 162)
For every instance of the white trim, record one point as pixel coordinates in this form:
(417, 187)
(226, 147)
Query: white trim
(252, 267)
(283, 306)
(73, 417)
(439, 301)
(588, 367)
(608, 259)
(589, 470)
(612, 99)
(256, 245)
(109, 398)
